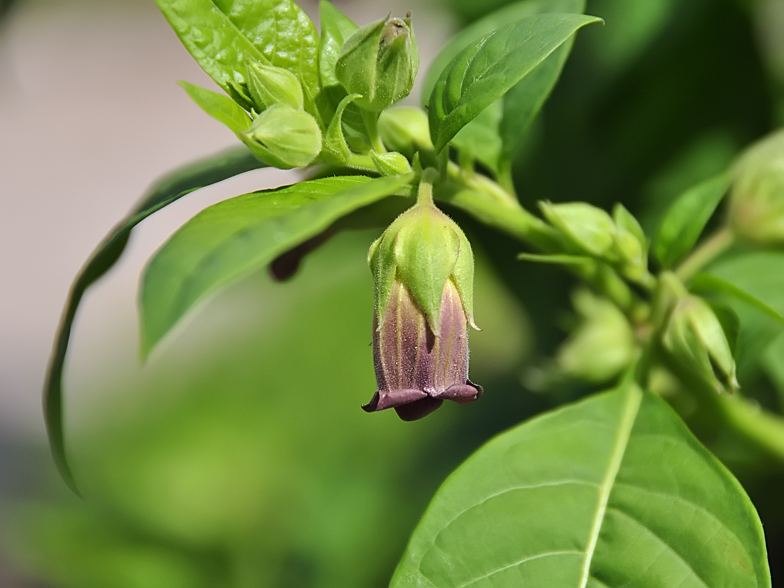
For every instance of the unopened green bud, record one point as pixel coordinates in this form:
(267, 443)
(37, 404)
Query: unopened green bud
(425, 248)
(423, 271)
(380, 61)
(284, 137)
(405, 129)
(631, 245)
(589, 229)
(757, 197)
(273, 85)
(390, 164)
(695, 339)
(603, 344)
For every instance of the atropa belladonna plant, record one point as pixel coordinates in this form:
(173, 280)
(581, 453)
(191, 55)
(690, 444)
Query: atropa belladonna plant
(297, 98)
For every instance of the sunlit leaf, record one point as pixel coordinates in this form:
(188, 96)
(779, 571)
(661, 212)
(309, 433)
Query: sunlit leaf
(612, 491)
(219, 33)
(488, 68)
(238, 236)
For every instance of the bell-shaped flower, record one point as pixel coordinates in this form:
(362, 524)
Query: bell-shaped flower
(423, 272)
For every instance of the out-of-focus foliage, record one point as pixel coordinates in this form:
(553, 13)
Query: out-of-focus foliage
(255, 466)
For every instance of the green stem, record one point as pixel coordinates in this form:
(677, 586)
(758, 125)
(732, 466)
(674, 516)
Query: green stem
(371, 126)
(706, 252)
(425, 193)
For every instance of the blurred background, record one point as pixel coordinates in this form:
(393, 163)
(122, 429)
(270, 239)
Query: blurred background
(237, 455)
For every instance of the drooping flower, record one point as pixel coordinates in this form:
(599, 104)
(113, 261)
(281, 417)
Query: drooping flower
(423, 271)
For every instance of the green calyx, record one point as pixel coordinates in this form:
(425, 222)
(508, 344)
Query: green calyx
(284, 137)
(695, 337)
(270, 85)
(380, 61)
(423, 248)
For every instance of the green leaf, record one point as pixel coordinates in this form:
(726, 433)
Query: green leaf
(480, 138)
(705, 283)
(760, 275)
(335, 145)
(240, 235)
(557, 258)
(611, 491)
(488, 68)
(524, 101)
(169, 189)
(336, 27)
(220, 107)
(219, 33)
(485, 26)
(685, 220)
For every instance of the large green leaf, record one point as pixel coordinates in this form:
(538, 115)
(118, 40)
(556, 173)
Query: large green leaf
(167, 190)
(613, 491)
(526, 98)
(489, 67)
(686, 218)
(237, 236)
(219, 33)
(484, 26)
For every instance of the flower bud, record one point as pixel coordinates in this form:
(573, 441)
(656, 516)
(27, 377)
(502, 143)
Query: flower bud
(405, 130)
(416, 370)
(380, 61)
(695, 338)
(603, 344)
(587, 228)
(272, 85)
(757, 199)
(284, 137)
(390, 164)
(423, 271)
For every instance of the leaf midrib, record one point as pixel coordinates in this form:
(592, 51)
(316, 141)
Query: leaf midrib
(629, 415)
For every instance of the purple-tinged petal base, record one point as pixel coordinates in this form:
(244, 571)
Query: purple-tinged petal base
(411, 405)
(462, 393)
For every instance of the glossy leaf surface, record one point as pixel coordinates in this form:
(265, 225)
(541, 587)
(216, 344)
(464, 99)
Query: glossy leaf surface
(219, 33)
(240, 235)
(169, 189)
(612, 491)
(686, 218)
(336, 27)
(220, 107)
(488, 68)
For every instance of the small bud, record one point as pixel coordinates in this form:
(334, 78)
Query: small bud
(757, 198)
(270, 85)
(284, 137)
(603, 344)
(390, 164)
(405, 129)
(423, 272)
(631, 245)
(695, 338)
(380, 61)
(589, 229)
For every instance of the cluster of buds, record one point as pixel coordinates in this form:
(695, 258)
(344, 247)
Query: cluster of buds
(423, 271)
(587, 230)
